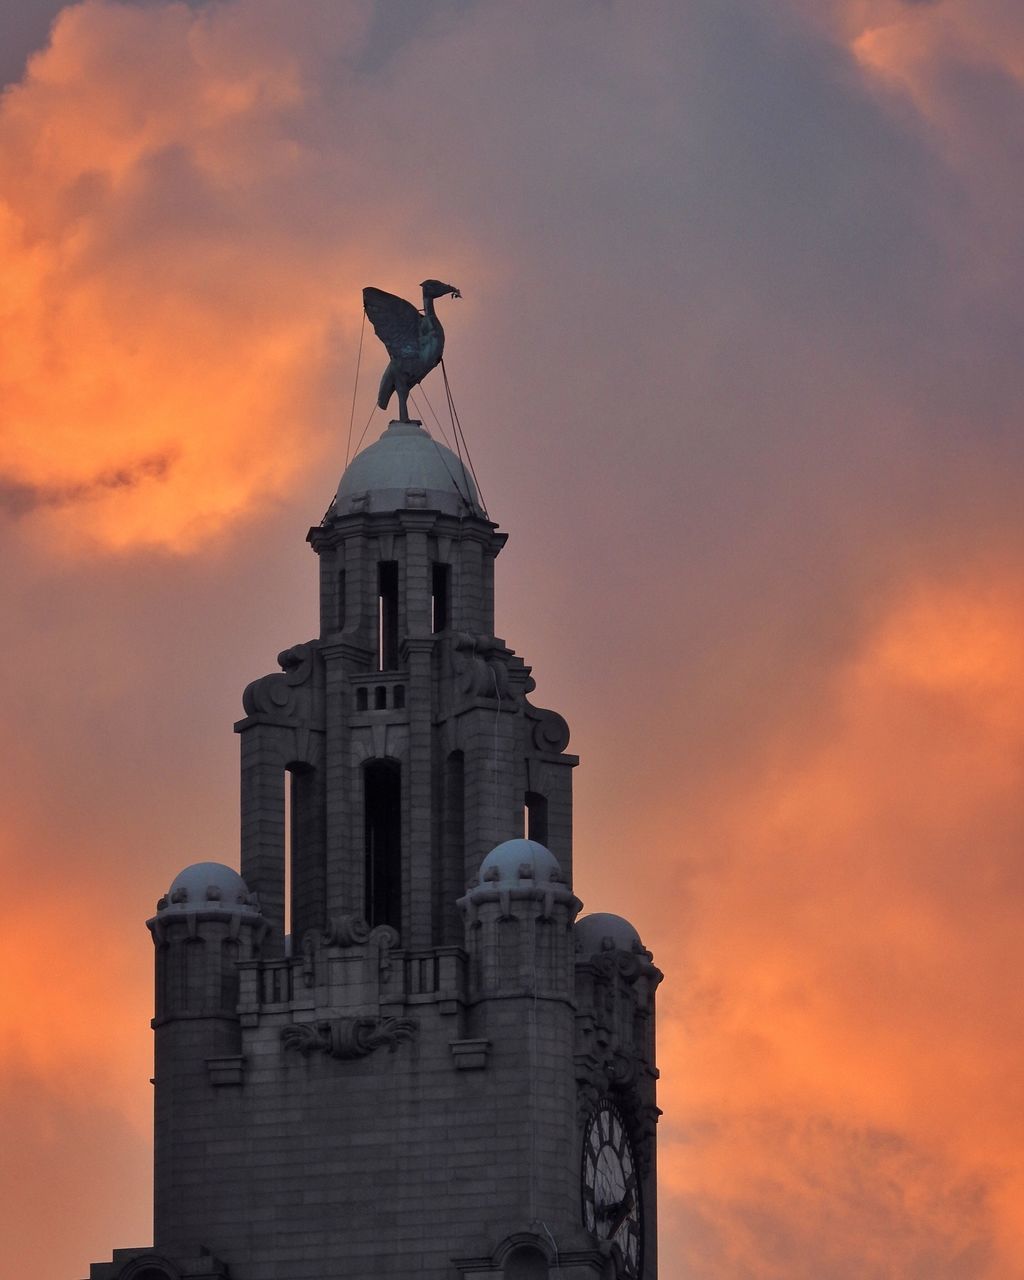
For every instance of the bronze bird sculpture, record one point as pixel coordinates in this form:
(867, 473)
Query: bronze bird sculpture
(415, 340)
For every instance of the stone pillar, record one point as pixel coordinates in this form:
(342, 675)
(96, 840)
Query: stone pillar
(518, 921)
(202, 930)
(262, 822)
(417, 654)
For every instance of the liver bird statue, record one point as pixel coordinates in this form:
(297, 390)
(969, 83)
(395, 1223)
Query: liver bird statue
(415, 340)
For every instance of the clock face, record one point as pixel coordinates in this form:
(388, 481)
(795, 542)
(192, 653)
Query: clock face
(611, 1186)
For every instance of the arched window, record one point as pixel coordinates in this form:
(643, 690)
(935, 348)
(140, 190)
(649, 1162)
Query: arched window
(526, 1262)
(382, 799)
(149, 1269)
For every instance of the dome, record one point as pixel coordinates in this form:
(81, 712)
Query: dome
(208, 886)
(518, 860)
(603, 931)
(407, 467)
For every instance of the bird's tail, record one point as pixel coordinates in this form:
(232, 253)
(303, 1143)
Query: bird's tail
(387, 388)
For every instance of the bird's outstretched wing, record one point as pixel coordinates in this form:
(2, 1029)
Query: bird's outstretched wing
(395, 321)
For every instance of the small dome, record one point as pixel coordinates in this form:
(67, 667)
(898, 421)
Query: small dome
(518, 860)
(602, 931)
(407, 467)
(208, 886)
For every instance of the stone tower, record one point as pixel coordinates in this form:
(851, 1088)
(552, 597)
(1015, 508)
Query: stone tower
(388, 1048)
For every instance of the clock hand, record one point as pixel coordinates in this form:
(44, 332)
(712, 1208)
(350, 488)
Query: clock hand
(622, 1212)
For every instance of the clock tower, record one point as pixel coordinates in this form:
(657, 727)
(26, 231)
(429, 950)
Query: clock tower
(391, 1046)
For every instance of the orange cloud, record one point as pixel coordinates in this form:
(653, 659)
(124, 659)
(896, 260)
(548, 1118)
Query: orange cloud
(904, 39)
(939, 52)
(60, 1016)
(169, 309)
(184, 219)
(843, 1022)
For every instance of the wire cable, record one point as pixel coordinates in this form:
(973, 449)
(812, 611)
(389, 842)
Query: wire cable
(457, 428)
(355, 388)
(365, 429)
(462, 489)
(437, 420)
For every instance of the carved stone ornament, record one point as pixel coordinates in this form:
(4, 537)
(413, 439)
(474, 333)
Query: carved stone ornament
(550, 730)
(275, 695)
(348, 1038)
(632, 967)
(480, 665)
(348, 931)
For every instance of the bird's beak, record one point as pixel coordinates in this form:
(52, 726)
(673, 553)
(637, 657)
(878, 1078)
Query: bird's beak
(456, 293)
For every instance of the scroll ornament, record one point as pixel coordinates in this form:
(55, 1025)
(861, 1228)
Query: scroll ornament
(348, 1038)
(277, 694)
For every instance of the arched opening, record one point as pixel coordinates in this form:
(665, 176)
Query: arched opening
(526, 1262)
(382, 801)
(149, 1269)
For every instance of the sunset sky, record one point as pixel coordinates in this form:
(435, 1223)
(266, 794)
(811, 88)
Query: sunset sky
(739, 364)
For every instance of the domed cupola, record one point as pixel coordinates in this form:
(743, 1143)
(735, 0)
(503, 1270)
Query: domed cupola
(407, 468)
(208, 886)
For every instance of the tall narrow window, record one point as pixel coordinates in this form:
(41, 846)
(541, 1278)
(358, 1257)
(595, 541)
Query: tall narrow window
(439, 606)
(195, 974)
(289, 833)
(229, 975)
(177, 979)
(536, 807)
(387, 615)
(451, 876)
(164, 987)
(382, 797)
(339, 612)
(305, 869)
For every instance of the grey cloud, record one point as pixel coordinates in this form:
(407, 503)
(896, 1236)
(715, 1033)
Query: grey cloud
(18, 498)
(25, 25)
